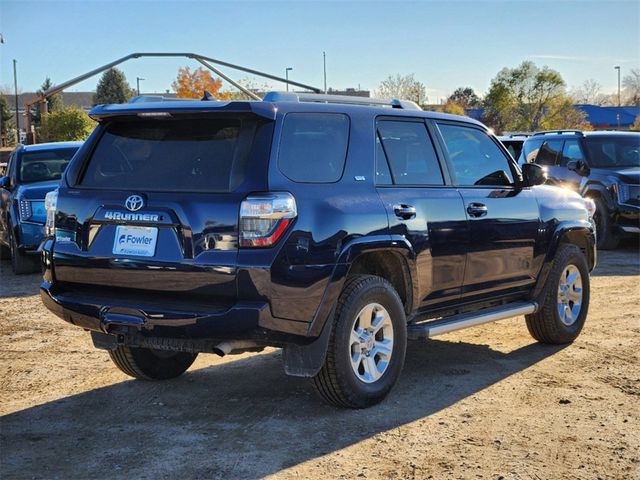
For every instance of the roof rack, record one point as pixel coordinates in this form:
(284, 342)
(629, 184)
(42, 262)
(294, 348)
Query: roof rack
(559, 132)
(342, 99)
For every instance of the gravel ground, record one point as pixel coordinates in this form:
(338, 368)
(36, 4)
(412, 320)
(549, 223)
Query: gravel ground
(487, 402)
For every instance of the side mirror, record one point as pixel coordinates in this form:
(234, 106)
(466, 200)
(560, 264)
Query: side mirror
(580, 167)
(533, 174)
(4, 182)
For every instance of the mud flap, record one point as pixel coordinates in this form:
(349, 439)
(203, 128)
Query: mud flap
(104, 341)
(307, 360)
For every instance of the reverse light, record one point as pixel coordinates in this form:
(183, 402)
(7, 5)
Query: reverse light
(265, 217)
(51, 205)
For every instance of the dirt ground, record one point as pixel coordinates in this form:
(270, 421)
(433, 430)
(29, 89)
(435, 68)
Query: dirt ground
(487, 402)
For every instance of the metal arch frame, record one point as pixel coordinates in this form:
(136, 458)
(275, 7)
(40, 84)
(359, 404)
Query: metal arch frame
(204, 60)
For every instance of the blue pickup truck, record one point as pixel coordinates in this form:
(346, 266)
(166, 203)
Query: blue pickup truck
(32, 172)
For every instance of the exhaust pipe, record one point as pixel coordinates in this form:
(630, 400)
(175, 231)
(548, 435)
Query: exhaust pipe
(238, 346)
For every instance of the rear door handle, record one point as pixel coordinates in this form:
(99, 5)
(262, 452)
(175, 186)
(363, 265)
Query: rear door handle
(404, 211)
(476, 209)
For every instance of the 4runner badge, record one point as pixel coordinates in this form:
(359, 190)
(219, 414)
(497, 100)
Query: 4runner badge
(134, 203)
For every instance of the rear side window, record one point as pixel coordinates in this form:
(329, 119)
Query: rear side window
(190, 155)
(549, 152)
(410, 153)
(571, 151)
(530, 150)
(313, 147)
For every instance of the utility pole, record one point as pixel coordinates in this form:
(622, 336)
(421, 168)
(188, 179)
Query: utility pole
(138, 84)
(15, 86)
(618, 68)
(324, 65)
(286, 75)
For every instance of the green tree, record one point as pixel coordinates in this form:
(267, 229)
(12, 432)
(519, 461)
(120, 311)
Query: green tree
(7, 123)
(112, 88)
(526, 98)
(54, 102)
(67, 124)
(453, 108)
(465, 97)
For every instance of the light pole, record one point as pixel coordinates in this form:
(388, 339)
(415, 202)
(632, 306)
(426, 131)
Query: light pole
(324, 66)
(618, 68)
(286, 75)
(15, 87)
(138, 84)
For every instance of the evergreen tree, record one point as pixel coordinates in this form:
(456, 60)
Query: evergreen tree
(112, 88)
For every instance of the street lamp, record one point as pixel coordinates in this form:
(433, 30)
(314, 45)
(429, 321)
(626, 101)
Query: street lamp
(286, 75)
(618, 68)
(138, 84)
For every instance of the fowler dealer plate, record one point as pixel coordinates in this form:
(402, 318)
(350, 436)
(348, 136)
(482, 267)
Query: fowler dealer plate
(138, 241)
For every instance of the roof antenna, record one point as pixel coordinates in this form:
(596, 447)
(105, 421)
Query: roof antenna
(208, 97)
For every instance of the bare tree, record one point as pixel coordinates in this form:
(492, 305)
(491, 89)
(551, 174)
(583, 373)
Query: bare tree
(631, 84)
(404, 87)
(590, 92)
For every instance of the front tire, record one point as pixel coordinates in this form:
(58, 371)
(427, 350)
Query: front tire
(149, 364)
(367, 347)
(21, 263)
(564, 301)
(605, 236)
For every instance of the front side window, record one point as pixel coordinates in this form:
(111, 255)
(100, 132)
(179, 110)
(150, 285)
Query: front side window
(41, 166)
(571, 151)
(313, 147)
(475, 158)
(410, 153)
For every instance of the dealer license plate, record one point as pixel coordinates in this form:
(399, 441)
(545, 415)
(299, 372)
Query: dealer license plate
(138, 241)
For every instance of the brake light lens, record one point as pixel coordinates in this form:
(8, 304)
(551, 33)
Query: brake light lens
(51, 205)
(265, 217)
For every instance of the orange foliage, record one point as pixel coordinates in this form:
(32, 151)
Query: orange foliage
(193, 84)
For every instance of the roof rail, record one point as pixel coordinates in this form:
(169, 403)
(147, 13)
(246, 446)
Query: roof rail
(156, 98)
(343, 99)
(559, 132)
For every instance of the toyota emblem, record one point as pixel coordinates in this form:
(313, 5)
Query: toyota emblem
(134, 203)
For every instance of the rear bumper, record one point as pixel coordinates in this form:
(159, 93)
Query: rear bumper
(133, 319)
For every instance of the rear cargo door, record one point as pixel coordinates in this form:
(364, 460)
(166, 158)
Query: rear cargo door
(155, 205)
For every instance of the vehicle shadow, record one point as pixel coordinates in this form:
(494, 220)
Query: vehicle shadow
(623, 261)
(17, 285)
(240, 419)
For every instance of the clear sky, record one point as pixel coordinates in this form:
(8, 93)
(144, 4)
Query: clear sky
(445, 44)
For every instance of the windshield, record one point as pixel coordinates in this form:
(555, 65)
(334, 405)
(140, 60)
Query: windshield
(611, 152)
(193, 155)
(41, 166)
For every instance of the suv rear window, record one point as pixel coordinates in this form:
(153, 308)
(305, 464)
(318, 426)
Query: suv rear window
(186, 154)
(313, 147)
(44, 165)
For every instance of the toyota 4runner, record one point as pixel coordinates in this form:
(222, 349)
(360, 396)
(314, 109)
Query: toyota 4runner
(333, 227)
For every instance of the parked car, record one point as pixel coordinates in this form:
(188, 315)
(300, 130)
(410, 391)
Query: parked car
(513, 143)
(334, 227)
(32, 171)
(604, 166)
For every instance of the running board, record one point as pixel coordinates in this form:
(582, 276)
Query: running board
(465, 320)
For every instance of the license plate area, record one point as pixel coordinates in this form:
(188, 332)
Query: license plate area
(135, 241)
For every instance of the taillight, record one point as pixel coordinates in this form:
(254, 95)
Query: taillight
(264, 217)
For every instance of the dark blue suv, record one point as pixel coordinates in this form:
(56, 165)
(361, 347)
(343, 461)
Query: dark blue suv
(333, 227)
(32, 172)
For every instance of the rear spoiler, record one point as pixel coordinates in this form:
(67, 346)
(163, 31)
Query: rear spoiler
(170, 108)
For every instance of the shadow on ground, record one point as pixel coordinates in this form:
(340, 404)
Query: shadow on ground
(241, 419)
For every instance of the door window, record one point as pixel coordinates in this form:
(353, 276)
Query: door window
(410, 153)
(571, 151)
(475, 158)
(549, 152)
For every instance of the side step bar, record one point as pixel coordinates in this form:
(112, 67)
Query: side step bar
(465, 320)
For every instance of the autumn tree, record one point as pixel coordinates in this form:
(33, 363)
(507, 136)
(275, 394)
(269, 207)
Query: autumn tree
(528, 98)
(453, 108)
(193, 84)
(465, 97)
(67, 124)
(112, 88)
(402, 87)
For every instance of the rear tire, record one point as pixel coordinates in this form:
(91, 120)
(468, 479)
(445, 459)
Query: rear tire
(148, 364)
(564, 300)
(605, 236)
(367, 346)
